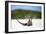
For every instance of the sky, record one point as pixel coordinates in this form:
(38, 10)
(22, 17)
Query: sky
(34, 8)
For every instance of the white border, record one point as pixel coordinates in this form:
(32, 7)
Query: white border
(9, 17)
